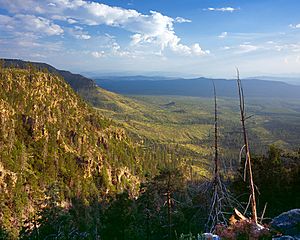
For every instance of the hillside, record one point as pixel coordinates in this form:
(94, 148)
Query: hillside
(49, 136)
(76, 81)
(198, 87)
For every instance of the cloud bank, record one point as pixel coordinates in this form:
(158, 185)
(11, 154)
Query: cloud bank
(72, 17)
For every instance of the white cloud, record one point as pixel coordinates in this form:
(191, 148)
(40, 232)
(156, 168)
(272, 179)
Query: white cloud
(223, 9)
(30, 23)
(79, 33)
(242, 48)
(98, 54)
(196, 49)
(246, 48)
(83, 36)
(223, 35)
(153, 28)
(71, 21)
(39, 24)
(21, 6)
(182, 20)
(283, 47)
(226, 48)
(5, 19)
(294, 25)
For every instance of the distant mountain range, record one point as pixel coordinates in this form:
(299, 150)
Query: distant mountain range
(198, 87)
(290, 80)
(265, 87)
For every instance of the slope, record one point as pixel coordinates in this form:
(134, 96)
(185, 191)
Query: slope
(49, 136)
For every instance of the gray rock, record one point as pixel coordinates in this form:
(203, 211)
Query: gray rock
(288, 223)
(285, 237)
(209, 236)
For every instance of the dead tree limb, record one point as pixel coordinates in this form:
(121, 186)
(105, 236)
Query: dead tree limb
(248, 157)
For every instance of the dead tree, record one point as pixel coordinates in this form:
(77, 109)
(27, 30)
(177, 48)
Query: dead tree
(218, 193)
(216, 172)
(246, 147)
(221, 199)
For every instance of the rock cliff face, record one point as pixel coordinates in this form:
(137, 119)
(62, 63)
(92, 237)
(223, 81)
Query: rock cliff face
(48, 135)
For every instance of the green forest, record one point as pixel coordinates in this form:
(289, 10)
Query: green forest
(85, 163)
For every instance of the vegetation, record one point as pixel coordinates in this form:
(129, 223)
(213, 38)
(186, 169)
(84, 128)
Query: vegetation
(276, 175)
(70, 171)
(49, 135)
(188, 124)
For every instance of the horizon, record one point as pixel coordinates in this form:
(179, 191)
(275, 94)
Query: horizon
(260, 38)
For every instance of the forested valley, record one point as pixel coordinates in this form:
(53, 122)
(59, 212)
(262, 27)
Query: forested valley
(80, 162)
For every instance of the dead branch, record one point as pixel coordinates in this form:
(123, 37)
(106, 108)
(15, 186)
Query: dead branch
(263, 213)
(248, 157)
(239, 214)
(221, 198)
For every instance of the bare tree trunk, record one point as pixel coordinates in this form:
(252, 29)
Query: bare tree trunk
(148, 218)
(216, 159)
(248, 157)
(169, 205)
(216, 172)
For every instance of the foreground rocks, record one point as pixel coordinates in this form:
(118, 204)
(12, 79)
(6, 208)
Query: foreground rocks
(287, 223)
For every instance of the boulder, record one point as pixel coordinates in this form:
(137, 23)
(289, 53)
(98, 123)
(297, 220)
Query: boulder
(285, 237)
(209, 236)
(288, 223)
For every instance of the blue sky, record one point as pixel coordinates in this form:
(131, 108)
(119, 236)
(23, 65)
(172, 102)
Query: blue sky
(170, 37)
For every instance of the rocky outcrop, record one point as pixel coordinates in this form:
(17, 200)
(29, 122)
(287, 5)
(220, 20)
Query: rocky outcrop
(288, 223)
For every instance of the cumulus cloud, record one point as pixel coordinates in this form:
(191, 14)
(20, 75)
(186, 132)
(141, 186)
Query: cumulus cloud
(28, 6)
(30, 23)
(39, 24)
(153, 28)
(223, 9)
(196, 49)
(223, 35)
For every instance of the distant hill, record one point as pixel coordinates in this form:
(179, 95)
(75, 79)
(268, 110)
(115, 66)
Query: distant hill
(136, 78)
(200, 87)
(290, 80)
(85, 87)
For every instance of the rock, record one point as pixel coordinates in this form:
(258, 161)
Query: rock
(288, 223)
(209, 236)
(285, 237)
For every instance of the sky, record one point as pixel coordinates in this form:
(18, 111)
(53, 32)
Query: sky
(163, 37)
